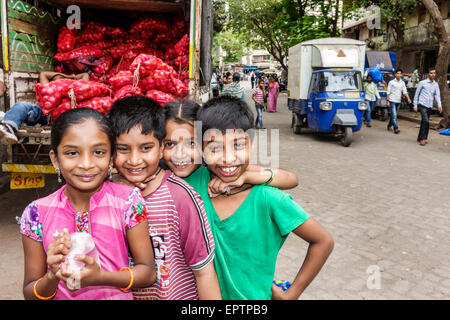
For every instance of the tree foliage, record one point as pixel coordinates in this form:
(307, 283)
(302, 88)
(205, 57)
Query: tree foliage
(276, 25)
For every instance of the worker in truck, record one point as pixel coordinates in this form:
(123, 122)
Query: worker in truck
(28, 113)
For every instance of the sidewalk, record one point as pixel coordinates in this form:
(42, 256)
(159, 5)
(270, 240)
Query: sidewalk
(405, 114)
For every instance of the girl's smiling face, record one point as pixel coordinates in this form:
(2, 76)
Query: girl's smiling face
(182, 154)
(83, 156)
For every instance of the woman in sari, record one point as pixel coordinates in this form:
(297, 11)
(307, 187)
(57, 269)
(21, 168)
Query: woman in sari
(274, 89)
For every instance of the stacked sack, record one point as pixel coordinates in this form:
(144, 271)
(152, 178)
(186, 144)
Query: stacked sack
(151, 58)
(61, 95)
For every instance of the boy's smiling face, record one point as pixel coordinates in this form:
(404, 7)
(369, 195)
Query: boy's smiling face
(227, 155)
(137, 155)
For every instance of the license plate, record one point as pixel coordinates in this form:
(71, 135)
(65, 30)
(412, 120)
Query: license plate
(25, 180)
(352, 95)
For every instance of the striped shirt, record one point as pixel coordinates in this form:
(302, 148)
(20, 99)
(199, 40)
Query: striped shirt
(426, 93)
(258, 95)
(182, 240)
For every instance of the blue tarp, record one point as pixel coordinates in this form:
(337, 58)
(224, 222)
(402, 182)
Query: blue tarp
(445, 132)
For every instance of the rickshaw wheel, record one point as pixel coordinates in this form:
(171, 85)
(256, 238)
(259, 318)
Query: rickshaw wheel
(296, 128)
(384, 114)
(347, 138)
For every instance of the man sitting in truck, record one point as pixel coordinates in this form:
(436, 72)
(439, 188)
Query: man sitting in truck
(28, 113)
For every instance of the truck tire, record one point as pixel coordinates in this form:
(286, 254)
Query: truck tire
(384, 114)
(347, 138)
(296, 124)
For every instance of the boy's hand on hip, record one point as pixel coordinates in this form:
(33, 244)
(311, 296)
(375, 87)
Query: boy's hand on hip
(279, 294)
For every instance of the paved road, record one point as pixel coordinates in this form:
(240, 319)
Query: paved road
(383, 199)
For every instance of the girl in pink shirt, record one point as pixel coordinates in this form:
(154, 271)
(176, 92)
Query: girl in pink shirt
(81, 152)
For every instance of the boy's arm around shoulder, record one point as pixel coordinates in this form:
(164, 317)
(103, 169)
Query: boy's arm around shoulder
(256, 175)
(282, 179)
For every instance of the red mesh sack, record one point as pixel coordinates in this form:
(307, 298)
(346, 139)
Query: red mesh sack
(92, 32)
(182, 46)
(62, 107)
(103, 68)
(181, 62)
(66, 39)
(120, 80)
(119, 51)
(51, 94)
(159, 96)
(115, 33)
(127, 91)
(160, 80)
(83, 90)
(148, 64)
(145, 28)
(164, 81)
(101, 104)
(85, 51)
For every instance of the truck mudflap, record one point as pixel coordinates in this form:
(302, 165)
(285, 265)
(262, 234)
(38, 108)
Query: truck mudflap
(345, 117)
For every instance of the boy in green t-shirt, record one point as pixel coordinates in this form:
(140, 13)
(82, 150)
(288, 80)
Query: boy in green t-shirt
(251, 223)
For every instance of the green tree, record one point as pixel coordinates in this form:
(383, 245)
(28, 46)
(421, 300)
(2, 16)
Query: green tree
(232, 42)
(276, 25)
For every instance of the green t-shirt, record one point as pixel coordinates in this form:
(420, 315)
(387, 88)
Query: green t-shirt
(247, 243)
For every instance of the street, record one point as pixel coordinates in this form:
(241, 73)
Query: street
(384, 200)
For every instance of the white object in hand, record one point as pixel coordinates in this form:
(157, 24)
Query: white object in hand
(82, 243)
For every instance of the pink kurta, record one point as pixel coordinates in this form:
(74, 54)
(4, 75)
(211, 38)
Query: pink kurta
(273, 96)
(112, 210)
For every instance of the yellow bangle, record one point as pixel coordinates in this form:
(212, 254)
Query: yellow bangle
(131, 280)
(39, 296)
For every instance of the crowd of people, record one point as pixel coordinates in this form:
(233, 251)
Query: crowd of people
(426, 94)
(265, 91)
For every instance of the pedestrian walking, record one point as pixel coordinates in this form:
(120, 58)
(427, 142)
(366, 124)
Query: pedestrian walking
(274, 90)
(258, 96)
(396, 88)
(372, 95)
(427, 91)
(234, 89)
(252, 79)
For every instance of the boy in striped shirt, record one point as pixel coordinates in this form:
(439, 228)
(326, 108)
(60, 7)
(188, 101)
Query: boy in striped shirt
(182, 240)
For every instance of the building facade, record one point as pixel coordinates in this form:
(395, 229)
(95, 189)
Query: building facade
(420, 47)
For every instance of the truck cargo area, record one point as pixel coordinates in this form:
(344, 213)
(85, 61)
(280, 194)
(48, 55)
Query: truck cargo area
(29, 32)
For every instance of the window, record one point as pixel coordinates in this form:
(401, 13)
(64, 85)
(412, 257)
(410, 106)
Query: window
(335, 81)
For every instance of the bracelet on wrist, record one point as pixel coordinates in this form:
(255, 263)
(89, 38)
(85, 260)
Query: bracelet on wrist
(131, 279)
(39, 296)
(271, 177)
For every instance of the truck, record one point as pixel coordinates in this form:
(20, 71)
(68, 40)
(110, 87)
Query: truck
(325, 91)
(29, 33)
(385, 61)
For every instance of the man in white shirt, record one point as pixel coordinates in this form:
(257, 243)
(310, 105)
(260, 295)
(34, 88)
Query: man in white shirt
(396, 88)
